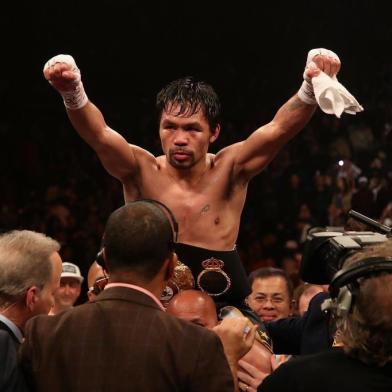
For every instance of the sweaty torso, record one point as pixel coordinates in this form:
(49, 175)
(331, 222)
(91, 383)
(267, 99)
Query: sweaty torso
(208, 209)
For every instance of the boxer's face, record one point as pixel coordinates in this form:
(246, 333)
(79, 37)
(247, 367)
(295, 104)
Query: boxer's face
(185, 138)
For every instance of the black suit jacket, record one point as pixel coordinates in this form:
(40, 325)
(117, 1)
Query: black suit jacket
(4, 327)
(122, 342)
(328, 371)
(11, 379)
(308, 334)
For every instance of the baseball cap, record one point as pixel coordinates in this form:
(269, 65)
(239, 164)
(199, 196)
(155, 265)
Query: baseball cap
(363, 180)
(71, 270)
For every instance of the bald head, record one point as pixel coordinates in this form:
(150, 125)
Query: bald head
(194, 306)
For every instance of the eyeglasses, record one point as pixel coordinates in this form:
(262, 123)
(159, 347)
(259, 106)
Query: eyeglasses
(99, 285)
(265, 298)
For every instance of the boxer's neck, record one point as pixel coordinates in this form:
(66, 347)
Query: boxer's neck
(193, 174)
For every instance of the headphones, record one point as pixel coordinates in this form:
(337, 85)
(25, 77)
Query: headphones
(345, 283)
(169, 213)
(100, 257)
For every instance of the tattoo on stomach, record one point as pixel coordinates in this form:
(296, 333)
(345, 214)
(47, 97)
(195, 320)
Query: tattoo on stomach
(205, 209)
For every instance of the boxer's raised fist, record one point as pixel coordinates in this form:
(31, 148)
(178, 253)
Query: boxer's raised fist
(62, 72)
(64, 75)
(318, 60)
(321, 60)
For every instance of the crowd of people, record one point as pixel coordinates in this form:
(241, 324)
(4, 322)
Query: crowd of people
(126, 334)
(66, 194)
(188, 204)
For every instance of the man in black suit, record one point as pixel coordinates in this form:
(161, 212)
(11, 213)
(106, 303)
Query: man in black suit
(308, 334)
(124, 337)
(30, 268)
(10, 378)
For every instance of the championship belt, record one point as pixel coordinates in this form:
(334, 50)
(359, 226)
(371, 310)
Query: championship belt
(212, 279)
(218, 273)
(182, 279)
(261, 333)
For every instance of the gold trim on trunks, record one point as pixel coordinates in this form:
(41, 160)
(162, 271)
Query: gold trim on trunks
(207, 279)
(182, 279)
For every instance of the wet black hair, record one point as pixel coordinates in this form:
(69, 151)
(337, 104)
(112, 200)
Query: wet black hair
(190, 95)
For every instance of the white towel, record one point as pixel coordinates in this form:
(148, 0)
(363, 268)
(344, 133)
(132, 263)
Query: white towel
(333, 97)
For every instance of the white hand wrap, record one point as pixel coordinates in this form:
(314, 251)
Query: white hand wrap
(76, 98)
(306, 93)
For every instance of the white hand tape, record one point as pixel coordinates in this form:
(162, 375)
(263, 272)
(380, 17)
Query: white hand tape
(75, 98)
(306, 92)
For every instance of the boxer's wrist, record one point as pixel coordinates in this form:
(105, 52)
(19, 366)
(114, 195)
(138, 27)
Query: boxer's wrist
(306, 93)
(76, 98)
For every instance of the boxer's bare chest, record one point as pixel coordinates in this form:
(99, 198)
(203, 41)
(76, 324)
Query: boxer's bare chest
(207, 207)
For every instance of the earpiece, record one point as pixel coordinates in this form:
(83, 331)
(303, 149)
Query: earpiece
(169, 213)
(345, 284)
(100, 257)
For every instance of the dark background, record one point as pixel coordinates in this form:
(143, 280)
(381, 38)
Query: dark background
(128, 50)
(253, 53)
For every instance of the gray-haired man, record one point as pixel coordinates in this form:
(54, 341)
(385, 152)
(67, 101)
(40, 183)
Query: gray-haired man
(30, 268)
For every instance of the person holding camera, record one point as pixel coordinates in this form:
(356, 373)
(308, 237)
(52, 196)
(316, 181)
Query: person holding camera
(361, 306)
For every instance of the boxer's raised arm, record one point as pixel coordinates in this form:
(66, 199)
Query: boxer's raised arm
(253, 154)
(117, 156)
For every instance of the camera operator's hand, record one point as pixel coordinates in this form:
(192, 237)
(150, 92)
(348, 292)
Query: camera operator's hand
(249, 377)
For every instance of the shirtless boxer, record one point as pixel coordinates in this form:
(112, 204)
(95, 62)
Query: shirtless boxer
(205, 191)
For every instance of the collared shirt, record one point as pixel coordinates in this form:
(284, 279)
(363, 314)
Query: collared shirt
(137, 288)
(13, 327)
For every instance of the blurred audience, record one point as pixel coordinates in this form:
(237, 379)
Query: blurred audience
(303, 295)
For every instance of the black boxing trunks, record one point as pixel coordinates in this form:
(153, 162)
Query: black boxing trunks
(218, 273)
